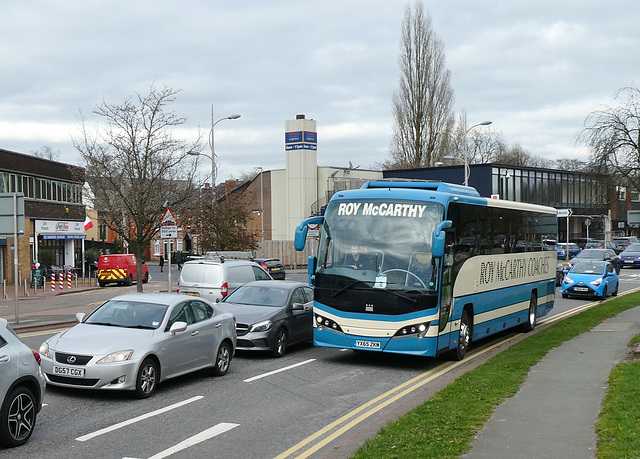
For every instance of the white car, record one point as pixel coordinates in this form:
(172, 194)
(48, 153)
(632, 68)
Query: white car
(135, 341)
(21, 388)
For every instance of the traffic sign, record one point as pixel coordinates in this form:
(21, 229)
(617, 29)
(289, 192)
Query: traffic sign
(564, 212)
(169, 232)
(168, 218)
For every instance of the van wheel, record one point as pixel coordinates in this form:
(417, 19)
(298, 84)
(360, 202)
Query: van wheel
(145, 279)
(129, 281)
(102, 284)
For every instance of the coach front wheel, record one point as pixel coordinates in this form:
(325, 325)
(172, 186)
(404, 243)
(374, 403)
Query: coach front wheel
(464, 339)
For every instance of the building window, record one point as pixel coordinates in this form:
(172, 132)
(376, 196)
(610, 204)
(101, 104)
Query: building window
(622, 193)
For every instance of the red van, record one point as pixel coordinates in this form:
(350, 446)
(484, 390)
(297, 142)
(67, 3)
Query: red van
(121, 269)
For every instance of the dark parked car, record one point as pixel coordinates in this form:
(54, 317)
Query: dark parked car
(559, 274)
(624, 242)
(271, 315)
(631, 255)
(603, 245)
(273, 265)
(566, 251)
(597, 254)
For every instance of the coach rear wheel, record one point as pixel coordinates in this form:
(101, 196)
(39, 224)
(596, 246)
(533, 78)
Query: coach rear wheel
(533, 314)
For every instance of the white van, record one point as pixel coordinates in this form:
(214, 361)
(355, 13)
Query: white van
(215, 279)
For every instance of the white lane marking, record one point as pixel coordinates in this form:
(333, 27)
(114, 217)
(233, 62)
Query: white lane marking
(202, 436)
(264, 375)
(137, 419)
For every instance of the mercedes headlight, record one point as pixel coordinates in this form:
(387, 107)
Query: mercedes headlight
(261, 326)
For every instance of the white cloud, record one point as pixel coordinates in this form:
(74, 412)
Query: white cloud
(535, 69)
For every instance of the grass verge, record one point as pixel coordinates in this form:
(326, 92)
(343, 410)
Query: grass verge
(617, 427)
(444, 426)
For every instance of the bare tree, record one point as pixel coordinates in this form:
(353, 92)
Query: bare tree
(571, 164)
(46, 152)
(422, 107)
(517, 156)
(134, 164)
(479, 145)
(613, 135)
(226, 226)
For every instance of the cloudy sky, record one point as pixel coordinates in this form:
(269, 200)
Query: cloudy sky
(536, 69)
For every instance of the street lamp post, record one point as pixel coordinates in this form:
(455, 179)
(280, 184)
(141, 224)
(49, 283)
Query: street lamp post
(214, 167)
(466, 151)
(261, 210)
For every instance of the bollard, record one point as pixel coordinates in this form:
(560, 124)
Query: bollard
(4, 289)
(26, 290)
(61, 279)
(53, 281)
(69, 279)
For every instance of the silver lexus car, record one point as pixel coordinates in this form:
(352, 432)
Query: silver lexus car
(135, 341)
(21, 388)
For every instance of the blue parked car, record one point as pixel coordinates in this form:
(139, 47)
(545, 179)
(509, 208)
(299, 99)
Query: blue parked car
(631, 255)
(567, 247)
(594, 279)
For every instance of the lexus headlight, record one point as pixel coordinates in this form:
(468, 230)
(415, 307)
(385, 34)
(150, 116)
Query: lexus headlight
(44, 350)
(261, 326)
(118, 356)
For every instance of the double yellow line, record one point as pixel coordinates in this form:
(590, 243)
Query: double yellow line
(356, 416)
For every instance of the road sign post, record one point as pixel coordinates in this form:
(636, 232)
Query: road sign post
(12, 225)
(168, 230)
(565, 213)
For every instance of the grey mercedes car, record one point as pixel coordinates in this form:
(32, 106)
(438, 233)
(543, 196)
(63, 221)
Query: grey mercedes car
(272, 315)
(135, 341)
(21, 388)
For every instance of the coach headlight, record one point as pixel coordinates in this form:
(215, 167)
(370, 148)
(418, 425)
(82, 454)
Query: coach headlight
(417, 330)
(323, 322)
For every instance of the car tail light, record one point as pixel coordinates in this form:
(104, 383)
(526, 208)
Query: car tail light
(36, 354)
(224, 289)
(264, 266)
(177, 288)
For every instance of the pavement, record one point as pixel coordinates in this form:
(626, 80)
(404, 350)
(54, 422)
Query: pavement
(33, 310)
(553, 415)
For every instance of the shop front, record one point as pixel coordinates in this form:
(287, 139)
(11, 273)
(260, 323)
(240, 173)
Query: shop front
(61, 241)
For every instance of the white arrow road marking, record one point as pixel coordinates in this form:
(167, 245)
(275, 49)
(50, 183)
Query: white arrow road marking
(202, 436)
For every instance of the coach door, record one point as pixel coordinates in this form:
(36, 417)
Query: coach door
(446, 291)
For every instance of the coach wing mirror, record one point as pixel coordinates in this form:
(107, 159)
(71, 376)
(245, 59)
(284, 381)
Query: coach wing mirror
(437, 245)
(301, 231)
(311, 269)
